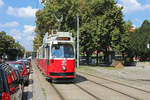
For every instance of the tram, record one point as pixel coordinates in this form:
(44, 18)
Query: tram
(56, 57)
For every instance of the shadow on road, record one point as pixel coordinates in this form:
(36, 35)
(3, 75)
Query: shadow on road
(79, 79)
(76, 80)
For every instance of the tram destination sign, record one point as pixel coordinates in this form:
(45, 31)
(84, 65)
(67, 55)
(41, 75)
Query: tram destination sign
(63, 38)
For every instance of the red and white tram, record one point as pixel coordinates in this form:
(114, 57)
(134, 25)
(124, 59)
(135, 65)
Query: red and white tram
(56, 57)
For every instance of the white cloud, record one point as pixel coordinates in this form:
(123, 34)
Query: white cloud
(29, 29)
(1, 3)
(16, 34)
(22, 12)
(132, 6)
(9, 24)
(25, 37)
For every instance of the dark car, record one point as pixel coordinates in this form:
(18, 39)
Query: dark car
(23, 70)
(10, 87)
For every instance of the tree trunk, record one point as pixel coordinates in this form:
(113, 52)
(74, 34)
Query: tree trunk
(87, 58)
(97, 58)
(106, 57)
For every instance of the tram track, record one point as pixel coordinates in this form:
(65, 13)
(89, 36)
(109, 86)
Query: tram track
(101, 84)
(114, 90)
(78, 86)
(116, 82)
(97, 98)
(57, 91)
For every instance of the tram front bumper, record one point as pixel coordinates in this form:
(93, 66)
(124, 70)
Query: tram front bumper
(62, 75)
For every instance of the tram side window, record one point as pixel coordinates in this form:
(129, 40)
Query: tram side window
(40, 55)
(37, 55)
(47, 54)
(1, 84)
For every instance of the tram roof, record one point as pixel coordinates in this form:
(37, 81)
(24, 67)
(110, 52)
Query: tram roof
(60, 37)
(60, 34)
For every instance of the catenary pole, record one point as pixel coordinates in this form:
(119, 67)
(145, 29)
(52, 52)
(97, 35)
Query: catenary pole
(77, 39)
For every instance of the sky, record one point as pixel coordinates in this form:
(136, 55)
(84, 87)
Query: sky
(17, 17)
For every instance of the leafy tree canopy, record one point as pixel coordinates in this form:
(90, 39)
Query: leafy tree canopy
(7, 43)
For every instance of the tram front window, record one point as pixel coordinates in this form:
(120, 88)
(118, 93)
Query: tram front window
(57, 51)
(62, 51)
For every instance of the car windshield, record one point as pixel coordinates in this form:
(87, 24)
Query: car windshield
(1, 83)
(16, 66)
(25, 62)
(62, 51)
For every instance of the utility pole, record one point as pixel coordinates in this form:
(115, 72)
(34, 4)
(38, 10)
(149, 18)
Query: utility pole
(77, 39)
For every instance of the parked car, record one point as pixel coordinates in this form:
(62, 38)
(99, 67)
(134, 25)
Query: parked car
(23, 70)
(10, 87)
(27, 63)
(18, 69)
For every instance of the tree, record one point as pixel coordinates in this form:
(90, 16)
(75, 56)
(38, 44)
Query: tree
(106, 25)
(101, 23)
(2, 42)
(37, 42)
(7, 43)
(139, 40)
(46, 20)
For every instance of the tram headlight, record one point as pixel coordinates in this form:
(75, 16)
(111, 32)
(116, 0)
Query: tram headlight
(63, 68)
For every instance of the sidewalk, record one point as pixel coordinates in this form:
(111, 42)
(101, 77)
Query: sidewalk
(37, 90)
(28, 93)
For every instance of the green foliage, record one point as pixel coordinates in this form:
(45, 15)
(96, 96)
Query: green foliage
(138, 41)
(102, 27)
(37, 42)
(7, 43)
(46, 19)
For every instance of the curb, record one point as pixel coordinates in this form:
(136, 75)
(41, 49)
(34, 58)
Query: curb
(30, 88)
